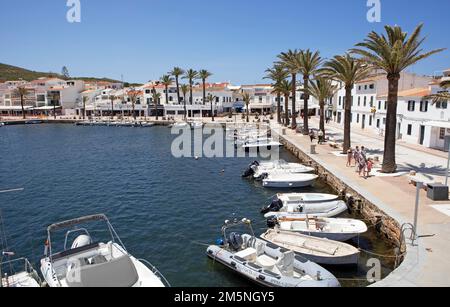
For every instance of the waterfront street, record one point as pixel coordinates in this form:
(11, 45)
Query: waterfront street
(427, 264)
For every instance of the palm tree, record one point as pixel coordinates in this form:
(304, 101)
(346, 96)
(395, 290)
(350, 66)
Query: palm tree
(133, 94)
(211, 99)
(85, 99)
(247, 98)
(112, 98)
(441, 96)
(203, 75)
(191, 75)
(309, 63)
(184, 90)
(392, 53)
(22, 92)
(347, 70)
(284, 88)
(167, 81)
(289, 60)
(322, 89)
(277, 74)
(177, 72)
(156, 97)
(55, 97)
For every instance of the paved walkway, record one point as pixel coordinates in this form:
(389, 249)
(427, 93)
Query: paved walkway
(428, 263)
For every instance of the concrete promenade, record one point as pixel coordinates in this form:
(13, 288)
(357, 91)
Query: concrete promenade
(427, 262)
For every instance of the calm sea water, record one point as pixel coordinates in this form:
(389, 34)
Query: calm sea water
(165, 210)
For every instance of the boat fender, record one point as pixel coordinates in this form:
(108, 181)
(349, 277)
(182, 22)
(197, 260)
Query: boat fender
(220, 242)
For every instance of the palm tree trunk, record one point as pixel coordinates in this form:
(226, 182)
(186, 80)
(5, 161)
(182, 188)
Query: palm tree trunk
(178, 90)
(185, 109)
(389, 161)
(248, 112)
(84, 110)
(286, 111)
(54, 110)
(112, 109)
(294, 92)
(322, 118)
(279, 108)
(204, 91)
(167, 94)
(134, 112)
(212, 111)
(347, 120)
(156, 109)
(190, 94)
(305, 107)
(23, 108)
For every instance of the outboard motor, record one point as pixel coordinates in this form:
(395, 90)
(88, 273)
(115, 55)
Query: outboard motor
(275, 206)
(235, 241)
(250, 171)
(272, 222)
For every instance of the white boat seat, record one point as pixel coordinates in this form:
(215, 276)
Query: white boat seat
(248, 254)
(286, 264)
(119, 272)
(266, 262)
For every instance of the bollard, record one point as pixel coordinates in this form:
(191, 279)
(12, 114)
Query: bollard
(313, 149)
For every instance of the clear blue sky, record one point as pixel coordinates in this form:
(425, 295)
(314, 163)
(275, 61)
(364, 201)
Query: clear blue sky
(235, 39)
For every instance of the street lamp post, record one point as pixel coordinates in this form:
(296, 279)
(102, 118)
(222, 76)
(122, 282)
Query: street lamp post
(416, 212)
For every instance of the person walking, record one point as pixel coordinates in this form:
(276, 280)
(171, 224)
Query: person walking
(349, 157)
(356, 157)
(321, 136)
(312, 136)
(369, 167)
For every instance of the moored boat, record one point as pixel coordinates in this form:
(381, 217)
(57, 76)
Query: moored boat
(317, 250)
(265, 263)
(302, 210)
(289, 180)
(94, 264)
(329, 228)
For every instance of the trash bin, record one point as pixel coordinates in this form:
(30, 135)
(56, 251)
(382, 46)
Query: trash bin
(437, 192)
(313, 149)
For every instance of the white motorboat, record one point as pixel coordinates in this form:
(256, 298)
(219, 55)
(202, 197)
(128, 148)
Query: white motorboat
(2, 124)
(289, 180)
(317, 250)
(301, 198)
(93, 264)
(265, 263)
(196, 125)
(147, 124)
(329, 228)
(180, 125)
(302, 210)
(263, 143)
(18, 273)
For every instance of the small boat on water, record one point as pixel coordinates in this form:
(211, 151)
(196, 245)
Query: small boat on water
(325, 209)
(302, 204)
(287, 181)
(2, 124)
(196, 125)
(317, 250)
(265, 263)
(329, 228)
(267, 143)
(18, 273)
(93, 264)
(276, 167)
(180, 125)
(147, 124)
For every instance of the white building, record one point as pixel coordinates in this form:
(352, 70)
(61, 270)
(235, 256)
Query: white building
(419, 120)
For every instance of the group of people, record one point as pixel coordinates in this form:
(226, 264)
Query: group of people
(363, 164)
(320, 136)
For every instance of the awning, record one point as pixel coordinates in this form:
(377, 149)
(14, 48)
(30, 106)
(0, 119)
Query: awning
(438, 124)
(14, 108)
(46, 108)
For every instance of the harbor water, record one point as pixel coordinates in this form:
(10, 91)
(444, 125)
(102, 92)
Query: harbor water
(166, 210)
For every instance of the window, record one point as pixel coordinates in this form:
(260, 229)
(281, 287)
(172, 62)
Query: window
(148, 91)
(409, 129)
(365, 101)
(357, 118)
(379, 105)
(371, 101)
(340, 100)
(378, 123)
(359, 87)
(424, 106)
(365, 87)
(170, 98)
(441, 105)
(385, 105)
(384, 121)
(359, 101)
(372, 86)
(411, 106)
(442, 134)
